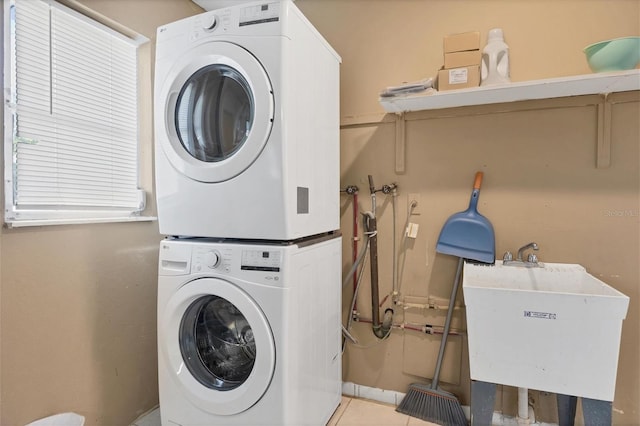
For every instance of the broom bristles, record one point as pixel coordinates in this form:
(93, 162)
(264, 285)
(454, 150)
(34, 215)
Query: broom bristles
(432, 405)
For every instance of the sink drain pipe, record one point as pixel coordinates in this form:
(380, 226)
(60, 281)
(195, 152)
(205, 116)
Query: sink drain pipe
(526, 414)
(381, 329)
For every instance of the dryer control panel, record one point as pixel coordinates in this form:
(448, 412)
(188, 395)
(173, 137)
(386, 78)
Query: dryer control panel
(234, 20)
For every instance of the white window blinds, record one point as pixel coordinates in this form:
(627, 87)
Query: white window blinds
(75, 116)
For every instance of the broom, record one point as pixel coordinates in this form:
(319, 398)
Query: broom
(426, 401)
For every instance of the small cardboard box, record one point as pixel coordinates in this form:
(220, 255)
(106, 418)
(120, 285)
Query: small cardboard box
(459, 78)
(462, 59)
(461, 42)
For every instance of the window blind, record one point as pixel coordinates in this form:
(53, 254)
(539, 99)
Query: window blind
(75, 132)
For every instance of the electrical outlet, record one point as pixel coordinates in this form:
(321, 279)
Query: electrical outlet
(414, 198)
(412, 230)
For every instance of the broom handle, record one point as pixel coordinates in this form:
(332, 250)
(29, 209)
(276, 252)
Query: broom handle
(447, 326)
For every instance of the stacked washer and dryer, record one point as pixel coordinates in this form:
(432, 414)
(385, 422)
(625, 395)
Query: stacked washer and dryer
(247, 185)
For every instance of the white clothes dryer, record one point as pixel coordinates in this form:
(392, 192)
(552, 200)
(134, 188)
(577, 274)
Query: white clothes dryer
(246, 125)
(249, 334)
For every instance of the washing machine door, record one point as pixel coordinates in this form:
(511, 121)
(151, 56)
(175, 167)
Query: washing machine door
(218, 111)
(219, 346)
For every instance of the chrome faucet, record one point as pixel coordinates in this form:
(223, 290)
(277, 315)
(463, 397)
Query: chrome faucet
(532, 259)
(526, 247)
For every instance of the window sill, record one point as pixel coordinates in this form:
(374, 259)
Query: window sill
(77, 221)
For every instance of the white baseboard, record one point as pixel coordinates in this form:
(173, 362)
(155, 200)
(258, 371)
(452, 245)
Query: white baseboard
(375, 394)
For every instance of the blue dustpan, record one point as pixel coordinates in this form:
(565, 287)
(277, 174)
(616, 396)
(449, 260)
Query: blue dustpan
(468, 234)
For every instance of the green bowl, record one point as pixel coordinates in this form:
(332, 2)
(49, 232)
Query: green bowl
(617, 54)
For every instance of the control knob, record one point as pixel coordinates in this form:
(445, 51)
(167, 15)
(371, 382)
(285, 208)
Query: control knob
(210, 23)
(212, 259)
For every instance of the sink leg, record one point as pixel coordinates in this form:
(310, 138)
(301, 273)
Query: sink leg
(596, 412)
(566, 409)
(483, 397)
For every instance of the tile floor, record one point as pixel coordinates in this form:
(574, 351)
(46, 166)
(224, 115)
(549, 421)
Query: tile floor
(351, 412)
(356, 411)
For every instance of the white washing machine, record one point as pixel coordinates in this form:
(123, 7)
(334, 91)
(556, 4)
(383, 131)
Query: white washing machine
(246, 125)
(249, 334)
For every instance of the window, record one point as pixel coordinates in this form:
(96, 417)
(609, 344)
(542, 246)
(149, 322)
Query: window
(71, 118)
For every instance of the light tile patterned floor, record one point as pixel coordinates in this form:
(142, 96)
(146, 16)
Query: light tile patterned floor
(149, 419)
(355, 411)
(351, 412)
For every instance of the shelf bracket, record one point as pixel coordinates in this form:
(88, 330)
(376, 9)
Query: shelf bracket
(603, 148)
(400, 144)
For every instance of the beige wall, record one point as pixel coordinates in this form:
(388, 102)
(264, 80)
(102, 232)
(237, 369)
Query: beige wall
(386, 42)
(541, 183)
(77, 305)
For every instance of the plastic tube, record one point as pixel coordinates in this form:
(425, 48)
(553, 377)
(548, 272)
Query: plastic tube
(352, 308)
(431, 304)
(355, 236)
(370, 225)
(380, 329)
(426, 329)
(356, 263)
(372, 190)
(394, 294)
(403, 240)
(523, 407)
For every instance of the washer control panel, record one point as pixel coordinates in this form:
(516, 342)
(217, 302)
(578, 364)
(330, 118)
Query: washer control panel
(209, 259)
(261, 260)
(259, 14)
(262, 264)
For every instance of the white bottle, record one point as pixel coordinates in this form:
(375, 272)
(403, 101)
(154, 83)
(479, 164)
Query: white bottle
(495, 60)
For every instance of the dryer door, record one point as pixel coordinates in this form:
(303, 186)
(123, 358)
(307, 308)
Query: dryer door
(219, 344)
(218, 112)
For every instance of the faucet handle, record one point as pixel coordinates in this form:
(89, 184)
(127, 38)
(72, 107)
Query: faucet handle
(508, 257)
(532, 258)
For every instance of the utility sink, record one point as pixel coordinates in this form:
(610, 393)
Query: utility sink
(554, 328)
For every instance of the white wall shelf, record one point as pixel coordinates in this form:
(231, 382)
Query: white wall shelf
(589, 84)
(601, 84)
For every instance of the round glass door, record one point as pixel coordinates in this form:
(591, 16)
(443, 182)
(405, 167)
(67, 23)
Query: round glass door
(217, 343)
(214, 113)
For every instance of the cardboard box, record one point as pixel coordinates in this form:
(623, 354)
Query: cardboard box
(461, 42)
(459, 78)
(462, 59)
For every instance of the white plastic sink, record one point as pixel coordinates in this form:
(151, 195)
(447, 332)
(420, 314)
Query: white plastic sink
(555, 328)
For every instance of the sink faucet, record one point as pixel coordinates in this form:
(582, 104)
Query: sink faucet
(526, 247)
(531, 261)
